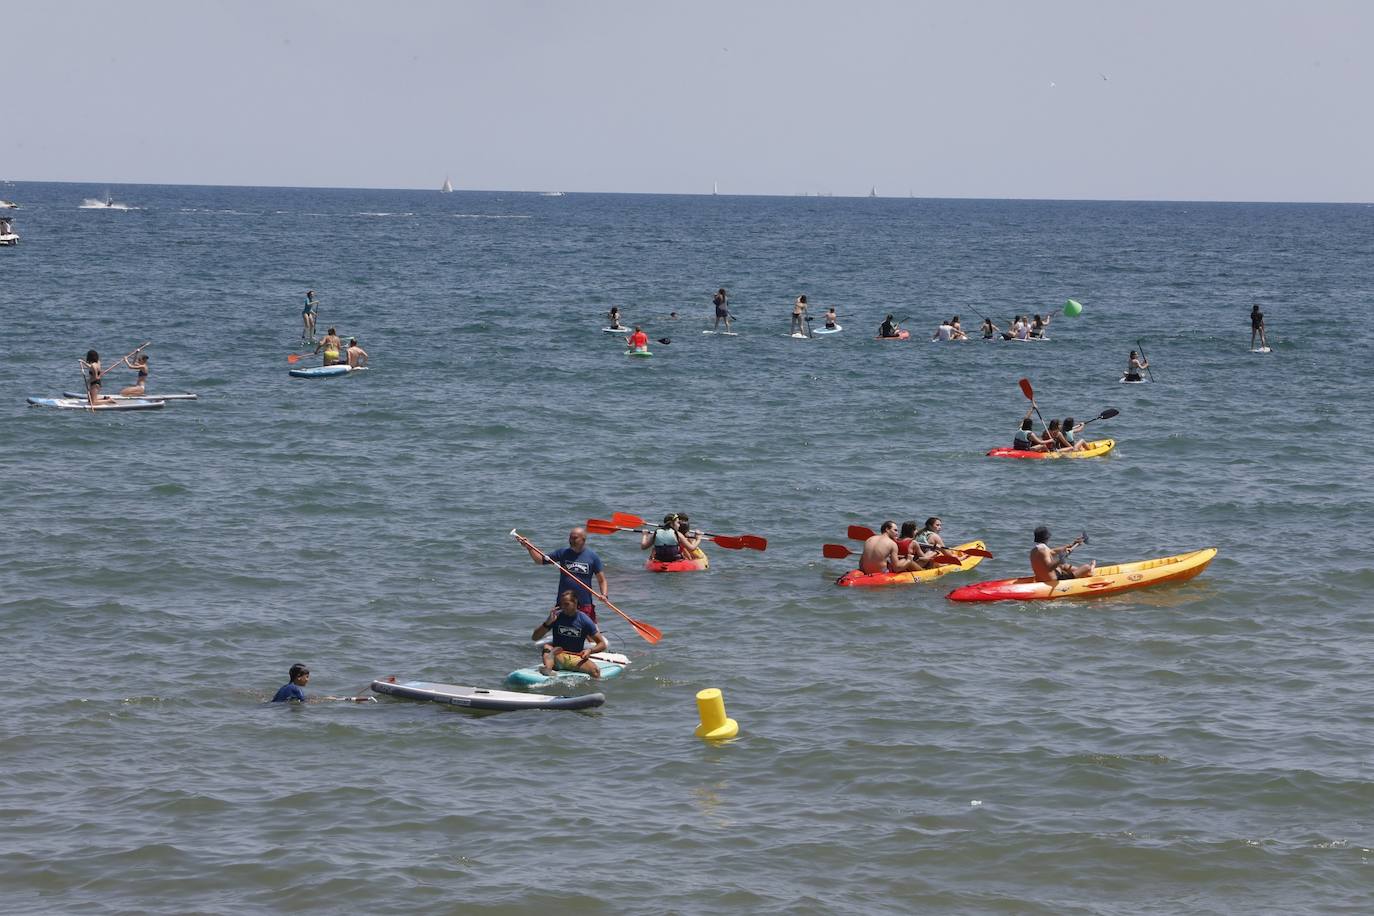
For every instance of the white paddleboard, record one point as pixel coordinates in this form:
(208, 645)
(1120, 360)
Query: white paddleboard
(1261, 350)
(185, 396)
(835, 330)
(84, 404)
(623, 332)
(480, 697)
(722, 333)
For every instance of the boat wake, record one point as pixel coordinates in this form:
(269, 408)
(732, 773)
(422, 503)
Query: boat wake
(92, 203)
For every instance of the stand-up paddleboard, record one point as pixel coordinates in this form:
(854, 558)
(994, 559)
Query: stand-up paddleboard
(900, 335)
(324, 371)
(1261, 350)
(640, 354)
(800, 336)
(184, 396)
(480, 697)
(835, 330)
(84, 404)
(1133, 381)
(623, 332)
(1029, 339)
(722, 333)
(532, 677)
(610, 658)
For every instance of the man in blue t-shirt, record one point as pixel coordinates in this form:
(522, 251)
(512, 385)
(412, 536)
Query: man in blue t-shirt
(294, 692)
(567, 647)
(584, 565)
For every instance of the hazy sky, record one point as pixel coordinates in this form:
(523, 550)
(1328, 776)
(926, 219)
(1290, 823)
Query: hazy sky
(1244, 100)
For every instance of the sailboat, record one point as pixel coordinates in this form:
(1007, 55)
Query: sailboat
(715, 188)
(873, 191)
(448, 186)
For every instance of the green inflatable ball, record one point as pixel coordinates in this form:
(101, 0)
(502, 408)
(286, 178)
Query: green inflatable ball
(1072, 308)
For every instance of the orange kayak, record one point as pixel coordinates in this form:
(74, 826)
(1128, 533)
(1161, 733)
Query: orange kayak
(1107, 580)
(857, 579)
(686, 564)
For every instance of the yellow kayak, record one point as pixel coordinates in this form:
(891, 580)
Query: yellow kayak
(1095, 448)
(1106, 580)
(877, 580)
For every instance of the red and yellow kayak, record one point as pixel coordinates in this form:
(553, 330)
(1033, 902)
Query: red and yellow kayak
(858, 579)
(697, 561)
(1095, 448)
(1107, 580)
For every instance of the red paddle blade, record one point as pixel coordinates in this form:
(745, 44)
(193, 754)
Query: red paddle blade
(835, 551)
(601, 526)
(945, 559)
(859, 533)
(1027, 390)
(978, 552)
(729, 543)
(625, 520)
(293, 358)
(753, 542)
(650, 634)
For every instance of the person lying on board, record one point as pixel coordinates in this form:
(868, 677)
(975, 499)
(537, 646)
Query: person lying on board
(1051, 565)
(567, 647)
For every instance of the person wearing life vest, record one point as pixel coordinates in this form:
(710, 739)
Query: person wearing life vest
(638, 340)
(668, 542)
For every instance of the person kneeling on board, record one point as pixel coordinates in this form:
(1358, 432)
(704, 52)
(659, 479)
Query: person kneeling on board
(1051, 565)
(888, 328)
(567, 647)
(638, 341)
(881, 553)
(1133, 367)
(331, 345)
(669, 543)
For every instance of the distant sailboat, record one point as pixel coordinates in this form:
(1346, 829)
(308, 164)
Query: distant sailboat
(873, 191)
(448, 186)
(715, 188)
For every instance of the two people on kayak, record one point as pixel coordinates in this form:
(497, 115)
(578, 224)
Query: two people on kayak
(1051, 564)
(673, 540)
(569, 629)
(908, 551)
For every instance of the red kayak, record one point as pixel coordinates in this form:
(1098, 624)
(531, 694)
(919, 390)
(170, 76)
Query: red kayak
(901, 335)
(1095, 448)
(686, 565)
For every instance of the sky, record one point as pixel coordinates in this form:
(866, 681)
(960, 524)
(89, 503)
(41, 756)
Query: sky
(1066, 99)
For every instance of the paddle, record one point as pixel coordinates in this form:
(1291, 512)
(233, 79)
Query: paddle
(1146, 358)
(1104, 415)
(648, 633)
(136, 351)
(839, 552)
(1030, 396)
(623, 521)
(860, 533)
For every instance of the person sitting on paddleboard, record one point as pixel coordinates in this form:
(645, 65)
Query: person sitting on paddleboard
(1068, 431)
(567, 648)
(956, 330)
(1051, 565)
(943, 332)
(580, 560)
(92, 374)
(668, 543)
(880, 553)
(1038, 326)
(638, 341)
(888, 328)
(357, 356)
(798, 315)
(989, 329)
(1133, 367)
(614, 315)
(308, 315)
(830, 317)
(1023, 328)
(721, 302)
(140, 365)
(331, 345)
(1257, 327)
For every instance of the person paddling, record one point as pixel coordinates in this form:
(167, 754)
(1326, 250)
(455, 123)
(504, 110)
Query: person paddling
(569, 629)
(308, 315)
(989, 329)
(888, 328)
(1068, 431)
(1026, 439)
(1051, 565)
(139, 365)
(638, 341)
(1257, 327)
(332, 347)
(580, 560)
(799, 315)
(880, 553)
(1134, 366)
(668, 543)
(614, 315)
(722, 305)
(1038, 327)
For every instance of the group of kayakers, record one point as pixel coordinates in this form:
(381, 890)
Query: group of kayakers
(1058, 436)
(904, 549)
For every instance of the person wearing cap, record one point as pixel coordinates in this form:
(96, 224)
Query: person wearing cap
(1051, 565)
(357, 356)
(580, 560)
(668, 543)
(569, 629)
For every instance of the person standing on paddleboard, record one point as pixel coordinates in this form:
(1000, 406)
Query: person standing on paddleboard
(1051, 565)
(308, 315)
(567, 649)
(1134, 365)
(799, 315)
(1257, 327)
(720, 301)
(584, 565)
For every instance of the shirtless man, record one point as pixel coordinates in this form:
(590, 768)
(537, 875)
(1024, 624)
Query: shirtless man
(881, 553)
(1051, 565)
(799, 315)
(357, 356)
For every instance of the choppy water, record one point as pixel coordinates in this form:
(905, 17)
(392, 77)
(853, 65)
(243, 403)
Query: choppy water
(1198, 748)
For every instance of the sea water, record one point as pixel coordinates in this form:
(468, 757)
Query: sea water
(1202, 747)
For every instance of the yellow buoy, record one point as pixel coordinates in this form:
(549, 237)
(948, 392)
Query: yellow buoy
(714, 725)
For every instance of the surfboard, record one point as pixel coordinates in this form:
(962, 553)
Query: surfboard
(480, 697)
(324, 371)
(722, 333)
(835, 330)
(531, 677)
(184, 396)
(1261, 350)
